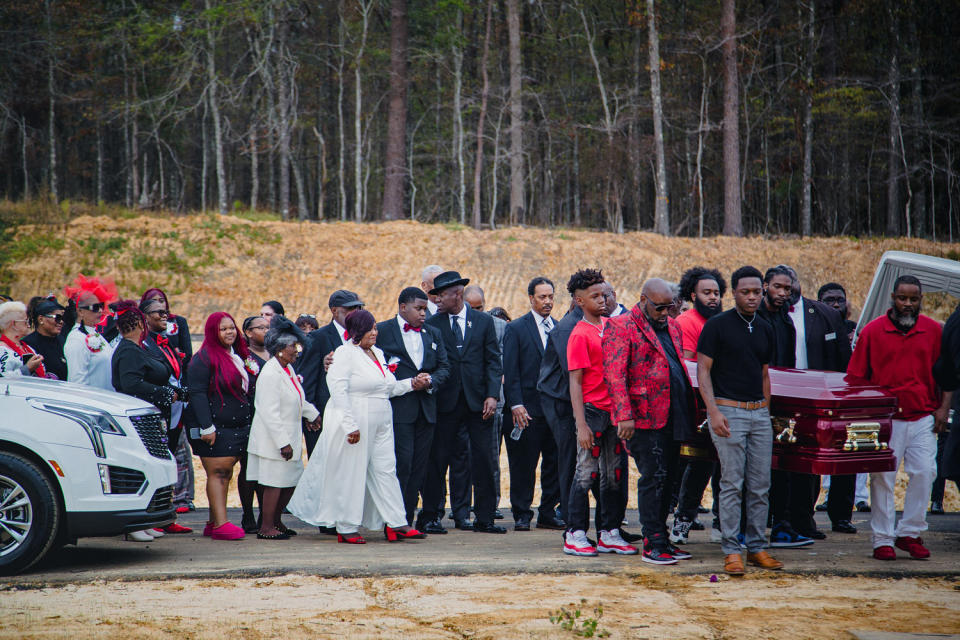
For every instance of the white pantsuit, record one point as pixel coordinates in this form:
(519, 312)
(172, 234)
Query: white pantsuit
(915, 443)
(354, 485)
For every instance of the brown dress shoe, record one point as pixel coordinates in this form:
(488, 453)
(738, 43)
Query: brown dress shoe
(763, 560)
(733, 564)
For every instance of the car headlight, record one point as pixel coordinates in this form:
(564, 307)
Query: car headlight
(95, 422)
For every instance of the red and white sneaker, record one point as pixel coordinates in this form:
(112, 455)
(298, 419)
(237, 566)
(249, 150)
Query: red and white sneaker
(913, 546)
(612, 542)
(173, 527)
(677, 552)
(575, 543)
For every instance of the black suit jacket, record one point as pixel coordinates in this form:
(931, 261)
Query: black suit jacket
(406, 408)
(476, 369)
(554, 379)
(522, 356)
(828, 348)
(310, 364)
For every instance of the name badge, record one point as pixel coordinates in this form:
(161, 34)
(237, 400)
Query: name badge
(830, 336)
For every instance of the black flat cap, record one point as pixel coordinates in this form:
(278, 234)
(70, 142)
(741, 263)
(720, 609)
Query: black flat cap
(446, 280)
(344, 298)
(46, 307)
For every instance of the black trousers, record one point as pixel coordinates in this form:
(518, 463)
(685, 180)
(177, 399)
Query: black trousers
(411, 443)
(310, 438)
(840, 497)
(694, 479)
(657, 456)
(461, 442)
(940, 483)
(792, 499)
(558, 414)
(535, 441)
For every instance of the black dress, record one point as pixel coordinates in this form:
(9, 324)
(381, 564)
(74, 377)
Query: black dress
(51, 348)
(231, 414)
(136, 373)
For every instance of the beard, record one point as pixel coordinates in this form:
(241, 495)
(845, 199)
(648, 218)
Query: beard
(657, 326)
(705, 310)
(906, 319)
(774, 304)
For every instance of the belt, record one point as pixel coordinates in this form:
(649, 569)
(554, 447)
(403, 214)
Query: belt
(749, 406)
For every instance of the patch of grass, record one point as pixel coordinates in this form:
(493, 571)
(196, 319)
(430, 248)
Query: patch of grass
(170, 263)
(259, 235)
(510, 238)
(100, 246)
(257, 216)
(453, 225)
(563, 236)
(32, 246)
(575, 622)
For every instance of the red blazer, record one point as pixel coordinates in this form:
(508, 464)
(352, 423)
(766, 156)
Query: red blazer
(636, 369)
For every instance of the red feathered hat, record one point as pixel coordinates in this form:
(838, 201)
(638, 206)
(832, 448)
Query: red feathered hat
(103, 288)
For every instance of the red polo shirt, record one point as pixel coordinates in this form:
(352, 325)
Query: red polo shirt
(585, 351)
(901, 362)
(691, 324)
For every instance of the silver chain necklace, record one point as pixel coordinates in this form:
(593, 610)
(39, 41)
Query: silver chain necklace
(749, 322)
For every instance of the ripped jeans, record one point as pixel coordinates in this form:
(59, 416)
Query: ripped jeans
(601, 463)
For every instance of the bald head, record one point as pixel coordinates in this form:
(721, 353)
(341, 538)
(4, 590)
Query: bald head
(657, 299)
(473, 296)
(657, 287)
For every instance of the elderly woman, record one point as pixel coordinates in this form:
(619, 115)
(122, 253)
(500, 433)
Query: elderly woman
(275, 451)
(135, 372)
(87, 352)
(351, 479)
(17, 358)
(221, 382)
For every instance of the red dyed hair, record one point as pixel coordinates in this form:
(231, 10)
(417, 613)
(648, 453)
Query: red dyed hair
(152, 293)
(103, 288)
(223, 373)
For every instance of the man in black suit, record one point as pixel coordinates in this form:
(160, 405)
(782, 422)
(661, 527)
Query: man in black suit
(524, 341)
(313, 362)
(466, 405)
(411, 348)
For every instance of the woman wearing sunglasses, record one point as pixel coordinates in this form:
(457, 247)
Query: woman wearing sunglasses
(87, 352)
(46, 318)
(17, 358)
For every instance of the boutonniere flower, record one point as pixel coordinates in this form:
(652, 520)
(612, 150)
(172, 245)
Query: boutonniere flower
(392, 367)
(469, 325)
(300, 378)
(251, 365)
(94, 342)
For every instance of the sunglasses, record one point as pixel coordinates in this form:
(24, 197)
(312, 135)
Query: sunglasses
(159, 312)
(664, 307)
(92, 307)
(57, 317)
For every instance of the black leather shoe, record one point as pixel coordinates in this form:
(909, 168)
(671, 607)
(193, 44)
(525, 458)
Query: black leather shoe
(696, 525)
(488, 527)
(630, 537)
(249, 523)
(816, 534)
(433, 527)
(497, 514)
(702, 510)
(330, 531)
(523, 524)
(844, 526)
(546, 521)
(863, 507)
(822, 507)
(463, 525)
(936, 508)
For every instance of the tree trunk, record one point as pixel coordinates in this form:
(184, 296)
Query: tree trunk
(484, 94)
(254, 168)
(458, 128)
(701, 139)
(99, 163)
(358, 203)
(393, 182)
(732, 217)
(516, 112)
(215, 114)
(893, 128)
(661, 223)
(23, 157)
(806, 207)
(341, 129)
(283, 121)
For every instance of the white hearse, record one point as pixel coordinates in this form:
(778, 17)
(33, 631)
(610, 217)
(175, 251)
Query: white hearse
(77, 462)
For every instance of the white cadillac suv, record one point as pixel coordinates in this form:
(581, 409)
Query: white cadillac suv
(77, 462)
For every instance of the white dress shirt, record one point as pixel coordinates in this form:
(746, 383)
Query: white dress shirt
(797, 317)
(340, 332)
(413, 343)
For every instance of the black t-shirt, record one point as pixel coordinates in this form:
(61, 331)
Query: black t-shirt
(738, 354)
(679, 386)
(52, 351)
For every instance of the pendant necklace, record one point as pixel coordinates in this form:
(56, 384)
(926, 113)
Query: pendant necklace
(749, 322)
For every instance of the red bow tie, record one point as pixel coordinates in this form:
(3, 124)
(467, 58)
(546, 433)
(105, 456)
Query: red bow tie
(409, 327)
(162, 341)
(346, 335)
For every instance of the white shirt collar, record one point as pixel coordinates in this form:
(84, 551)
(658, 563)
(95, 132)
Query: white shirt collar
(340, 330)
(462, 315)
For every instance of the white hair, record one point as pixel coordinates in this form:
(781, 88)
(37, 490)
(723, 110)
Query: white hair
(430, 270)
(10, 312)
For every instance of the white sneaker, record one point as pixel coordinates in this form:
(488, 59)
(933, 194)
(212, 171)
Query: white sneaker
(716, 535)
(139, 536)
(612, 542)
(681, 531)
(575, 543)
(156, 533)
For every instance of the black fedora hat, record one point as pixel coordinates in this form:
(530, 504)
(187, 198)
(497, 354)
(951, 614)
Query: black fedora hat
(446, 280)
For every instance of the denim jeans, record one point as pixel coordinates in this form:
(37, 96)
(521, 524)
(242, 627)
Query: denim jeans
(745, 457)
(603, 463)
(657, 456)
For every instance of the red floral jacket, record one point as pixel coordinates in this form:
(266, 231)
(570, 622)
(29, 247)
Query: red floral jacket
(636, 369)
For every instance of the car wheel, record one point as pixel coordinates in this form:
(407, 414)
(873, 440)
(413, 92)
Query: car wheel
(30, 516)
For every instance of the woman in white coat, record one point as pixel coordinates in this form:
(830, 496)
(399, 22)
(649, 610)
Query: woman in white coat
(274, 451)
(351, 478)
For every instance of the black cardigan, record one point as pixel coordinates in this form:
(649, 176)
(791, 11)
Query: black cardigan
(138, 374)
(207, 406)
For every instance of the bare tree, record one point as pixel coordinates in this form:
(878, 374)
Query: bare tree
(359, 204)
(516, 112)
(806, 206)
(893, 129)
(214, 102)
(484, 94)
(661, 221)
(732, 217)
(397, 113)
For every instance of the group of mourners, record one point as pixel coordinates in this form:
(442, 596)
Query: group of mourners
(386, 412)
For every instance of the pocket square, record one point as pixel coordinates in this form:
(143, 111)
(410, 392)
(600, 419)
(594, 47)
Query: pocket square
(393, 360)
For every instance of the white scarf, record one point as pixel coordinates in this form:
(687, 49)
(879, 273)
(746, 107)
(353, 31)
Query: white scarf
(238, 363)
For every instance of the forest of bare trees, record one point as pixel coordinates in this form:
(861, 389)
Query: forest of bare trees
(686, 117)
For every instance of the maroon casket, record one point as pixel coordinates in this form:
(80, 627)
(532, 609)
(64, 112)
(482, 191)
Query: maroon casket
(821, 423)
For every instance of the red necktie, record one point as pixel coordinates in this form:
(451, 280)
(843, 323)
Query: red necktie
(409, 327)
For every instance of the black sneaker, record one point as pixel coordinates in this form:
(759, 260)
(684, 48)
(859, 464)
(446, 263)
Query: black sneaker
(656, 554)
(677, 552)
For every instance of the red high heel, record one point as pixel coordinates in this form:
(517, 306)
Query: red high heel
(410, 534)
(351, 538)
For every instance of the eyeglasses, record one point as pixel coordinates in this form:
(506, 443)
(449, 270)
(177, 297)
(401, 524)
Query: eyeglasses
(92, 307)
(261, 327)
(57, 317)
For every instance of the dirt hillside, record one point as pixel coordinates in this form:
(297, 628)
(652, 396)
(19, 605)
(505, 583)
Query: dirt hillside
(210, 263)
